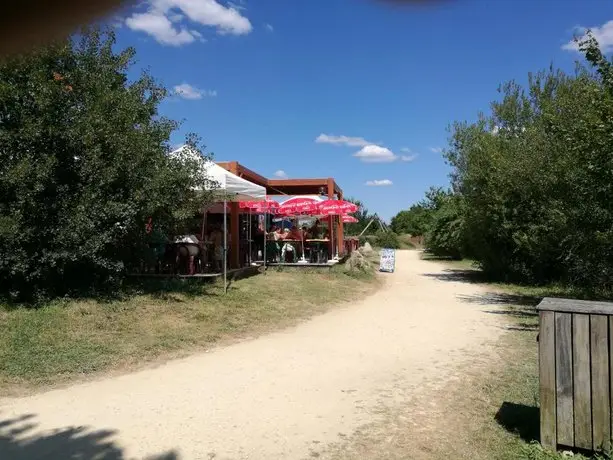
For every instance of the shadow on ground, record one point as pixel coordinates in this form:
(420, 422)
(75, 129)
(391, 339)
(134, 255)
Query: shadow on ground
(458, 276)
(526, 327)
(20, 441)
(496, 298)
(519, 419)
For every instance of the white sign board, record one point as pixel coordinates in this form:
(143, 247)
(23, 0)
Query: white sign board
(388, 260)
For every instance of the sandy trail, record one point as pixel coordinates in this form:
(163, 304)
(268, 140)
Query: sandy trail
(282, 396)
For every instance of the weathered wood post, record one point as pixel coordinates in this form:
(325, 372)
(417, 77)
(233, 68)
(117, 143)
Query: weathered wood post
(575, 361)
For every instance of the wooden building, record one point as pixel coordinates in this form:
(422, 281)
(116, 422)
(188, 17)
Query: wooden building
(283, 187)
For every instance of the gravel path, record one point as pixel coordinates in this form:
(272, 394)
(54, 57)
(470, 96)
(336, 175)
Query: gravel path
(286, 395)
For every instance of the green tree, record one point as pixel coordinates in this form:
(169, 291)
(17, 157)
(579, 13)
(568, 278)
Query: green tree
(364, 217)
(446, 235)
(535, 177)
(413, 221)
(417, 219)
(84, 166)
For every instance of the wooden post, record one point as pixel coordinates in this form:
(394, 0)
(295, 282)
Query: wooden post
(341, 231)
(234, 225)
(547, 377)
(582, 392)
(599, 342)
(330, 219)
(564, 379)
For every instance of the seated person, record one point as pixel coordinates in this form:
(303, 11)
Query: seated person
(274, 233)
(293, 234)
(288, 253)
(315, 230)
(306, 234)
(216, 237)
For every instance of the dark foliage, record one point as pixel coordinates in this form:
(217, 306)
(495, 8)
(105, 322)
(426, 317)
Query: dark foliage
(84, 166)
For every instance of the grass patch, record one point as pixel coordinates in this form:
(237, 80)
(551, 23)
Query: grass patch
(67, 339)
(467, 270)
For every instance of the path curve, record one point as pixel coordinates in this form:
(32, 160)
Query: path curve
(285, 395)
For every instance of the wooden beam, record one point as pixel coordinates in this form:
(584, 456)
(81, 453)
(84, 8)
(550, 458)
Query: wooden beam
(576, 306)
(564, 379)
(298, 182)
(582, 392)
(338, 190)
(252, 176)
(599, 344)
(547, 379)
(341, 230)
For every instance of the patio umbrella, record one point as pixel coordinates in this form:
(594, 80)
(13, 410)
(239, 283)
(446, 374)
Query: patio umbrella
(300, 206)
(268, 206)
(336, 208)
(294, 207)
(347, 219)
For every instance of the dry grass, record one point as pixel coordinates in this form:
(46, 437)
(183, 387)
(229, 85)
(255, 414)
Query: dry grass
(66, 340)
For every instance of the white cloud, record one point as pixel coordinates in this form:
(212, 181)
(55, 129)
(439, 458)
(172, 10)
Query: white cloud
(176, 17)
(187, 91)
(379, 183)
(160, 27)
(198, 35)
(163, 20)
(269, 27)
(375, 154)
(280, 174)
(436, 149)
(237, 6)
(342, 140)
(369, 153)
(603, 34)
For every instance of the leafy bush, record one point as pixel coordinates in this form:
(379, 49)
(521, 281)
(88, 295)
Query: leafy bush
(387, 240)
(445, 236)
(84, 166)
(531, 182)
(414, 221)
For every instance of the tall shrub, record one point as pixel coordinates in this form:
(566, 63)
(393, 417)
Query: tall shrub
(83, 167)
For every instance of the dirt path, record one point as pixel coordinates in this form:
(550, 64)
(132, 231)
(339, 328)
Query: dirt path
(287, 395)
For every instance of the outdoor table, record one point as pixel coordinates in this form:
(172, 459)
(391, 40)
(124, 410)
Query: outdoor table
(297, 243)
(320, 244)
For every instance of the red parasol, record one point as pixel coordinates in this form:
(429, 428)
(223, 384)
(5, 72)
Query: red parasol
(297, 206)
(269, 206)
(347, 219)
(336, 207)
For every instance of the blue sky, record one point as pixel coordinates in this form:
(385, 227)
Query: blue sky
(358, 90)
